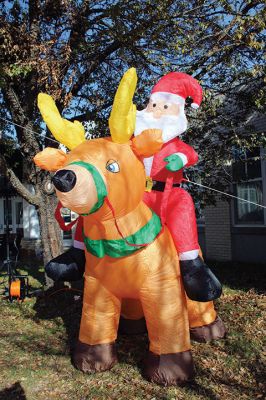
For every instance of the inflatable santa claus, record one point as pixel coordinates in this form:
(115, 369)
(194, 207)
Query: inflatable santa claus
(166, 112)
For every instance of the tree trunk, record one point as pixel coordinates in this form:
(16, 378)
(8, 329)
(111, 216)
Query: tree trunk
(50, 232)
(51, 235)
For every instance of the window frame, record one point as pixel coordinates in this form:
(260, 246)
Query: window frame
(261, 179)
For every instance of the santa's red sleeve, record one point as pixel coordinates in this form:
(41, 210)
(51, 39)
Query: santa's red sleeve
(188, 155)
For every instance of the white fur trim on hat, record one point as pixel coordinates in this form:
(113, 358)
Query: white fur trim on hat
(168, 97)
(195, 106)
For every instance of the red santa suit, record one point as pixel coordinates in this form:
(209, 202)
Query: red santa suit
(166, 111)
(174, 206)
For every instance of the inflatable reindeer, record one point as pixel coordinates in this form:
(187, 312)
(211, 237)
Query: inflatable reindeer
(129, 254)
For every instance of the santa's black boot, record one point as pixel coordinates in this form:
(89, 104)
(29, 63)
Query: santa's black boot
(67, 267)
(199, 281)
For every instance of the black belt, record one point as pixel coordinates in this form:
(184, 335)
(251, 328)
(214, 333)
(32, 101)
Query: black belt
(160, 186)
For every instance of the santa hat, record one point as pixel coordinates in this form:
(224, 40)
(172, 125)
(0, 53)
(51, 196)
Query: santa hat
(175, 87)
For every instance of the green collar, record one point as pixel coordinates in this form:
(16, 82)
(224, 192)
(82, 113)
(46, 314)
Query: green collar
(99, 183)
(120, 247)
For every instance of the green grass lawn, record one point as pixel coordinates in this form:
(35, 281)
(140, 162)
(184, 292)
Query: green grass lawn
(36, 338)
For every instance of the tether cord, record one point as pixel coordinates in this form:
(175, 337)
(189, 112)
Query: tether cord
(27, 129)
(220, 192)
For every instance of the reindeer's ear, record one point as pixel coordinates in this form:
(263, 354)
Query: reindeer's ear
(148, 142)
(50, 159)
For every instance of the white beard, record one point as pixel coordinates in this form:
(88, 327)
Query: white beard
(172, 126)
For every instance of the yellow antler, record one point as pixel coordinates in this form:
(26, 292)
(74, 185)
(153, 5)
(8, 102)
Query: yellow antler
(123, 115)
(68, 133)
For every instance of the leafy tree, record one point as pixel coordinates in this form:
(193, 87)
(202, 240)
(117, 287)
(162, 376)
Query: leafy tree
(78, 50)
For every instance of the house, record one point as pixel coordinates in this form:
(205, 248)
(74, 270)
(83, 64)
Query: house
(23, 222)
(235, 230)
(10, 213)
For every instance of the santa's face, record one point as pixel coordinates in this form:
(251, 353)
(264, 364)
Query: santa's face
(169, 117)
(161, 108)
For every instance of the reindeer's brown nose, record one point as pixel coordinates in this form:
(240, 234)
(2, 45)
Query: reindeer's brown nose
(64, 180)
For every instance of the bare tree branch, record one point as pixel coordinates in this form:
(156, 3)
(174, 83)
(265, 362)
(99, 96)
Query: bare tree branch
(17, 184)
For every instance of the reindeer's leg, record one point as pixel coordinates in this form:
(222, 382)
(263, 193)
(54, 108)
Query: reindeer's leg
(95, 350)
(204, 323)
(169, 360)
(132, 321)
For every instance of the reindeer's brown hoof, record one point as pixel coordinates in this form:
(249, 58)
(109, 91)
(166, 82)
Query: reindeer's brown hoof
(214, 331)
(132, 326)
(169, 369)
(94, 358)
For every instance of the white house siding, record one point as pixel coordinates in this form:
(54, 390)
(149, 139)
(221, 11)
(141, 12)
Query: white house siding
(31, 226)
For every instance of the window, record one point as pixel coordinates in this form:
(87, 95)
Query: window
(249, 185)
(247, 213)
(68, 216)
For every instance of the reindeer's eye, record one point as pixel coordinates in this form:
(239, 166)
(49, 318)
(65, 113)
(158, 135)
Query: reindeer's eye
(112, 166)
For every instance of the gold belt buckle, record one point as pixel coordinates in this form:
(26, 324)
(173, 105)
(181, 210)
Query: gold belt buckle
(149, 184)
